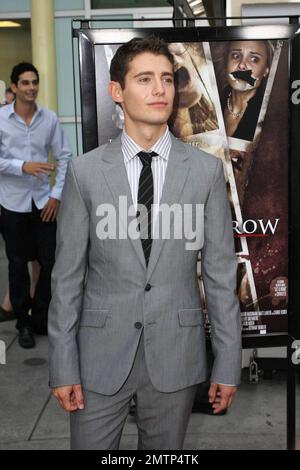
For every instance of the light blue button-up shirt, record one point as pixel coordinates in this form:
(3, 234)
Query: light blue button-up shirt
(21, 143)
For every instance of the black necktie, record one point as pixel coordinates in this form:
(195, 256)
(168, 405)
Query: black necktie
(145, 197)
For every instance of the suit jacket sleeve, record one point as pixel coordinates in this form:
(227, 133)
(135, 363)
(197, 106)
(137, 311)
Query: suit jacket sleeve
(67, 284)
(219, 270)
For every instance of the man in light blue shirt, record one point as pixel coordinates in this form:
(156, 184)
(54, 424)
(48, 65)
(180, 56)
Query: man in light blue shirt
(28, 205)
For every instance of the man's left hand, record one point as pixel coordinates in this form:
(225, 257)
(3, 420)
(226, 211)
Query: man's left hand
(221, 396)
(50, 209)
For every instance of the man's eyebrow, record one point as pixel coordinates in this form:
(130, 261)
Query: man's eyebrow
(149, 72)
(146, 72)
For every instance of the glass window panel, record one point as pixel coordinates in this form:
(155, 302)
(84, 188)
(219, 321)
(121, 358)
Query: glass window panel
(112, 23)
(65, 84)
(69, 5)
(97, 4)
(70, 131)
(14, 5)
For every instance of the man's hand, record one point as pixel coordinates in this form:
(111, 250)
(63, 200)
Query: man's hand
(70, 397)
(221, 396)
(38, 168)
(50, 209)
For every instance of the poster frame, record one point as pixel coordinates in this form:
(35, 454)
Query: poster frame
(88, 37)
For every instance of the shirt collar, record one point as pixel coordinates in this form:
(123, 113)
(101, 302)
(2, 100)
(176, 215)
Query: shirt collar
(131, 148)
(11, 109)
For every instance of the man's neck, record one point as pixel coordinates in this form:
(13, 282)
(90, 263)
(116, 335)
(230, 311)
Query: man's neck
(145, 136)
(25, 110)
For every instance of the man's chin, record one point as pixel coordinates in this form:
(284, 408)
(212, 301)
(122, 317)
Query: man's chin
(156, 122)
(158, 118)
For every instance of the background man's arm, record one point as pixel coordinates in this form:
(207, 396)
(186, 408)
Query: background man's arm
(63, 155)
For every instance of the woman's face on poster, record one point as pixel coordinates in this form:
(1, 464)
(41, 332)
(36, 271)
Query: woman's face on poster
(187, 81)
(245, 56)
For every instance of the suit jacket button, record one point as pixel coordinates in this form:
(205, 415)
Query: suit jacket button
(148, 287)
(138, 325)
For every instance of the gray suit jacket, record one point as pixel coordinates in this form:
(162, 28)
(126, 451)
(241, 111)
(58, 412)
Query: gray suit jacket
(98, 285)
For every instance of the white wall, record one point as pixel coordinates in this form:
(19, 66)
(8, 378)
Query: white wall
(234, 7)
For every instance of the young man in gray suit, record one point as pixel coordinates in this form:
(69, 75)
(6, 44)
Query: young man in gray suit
(125, 319)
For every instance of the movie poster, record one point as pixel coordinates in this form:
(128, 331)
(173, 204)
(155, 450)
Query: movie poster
(232, 101)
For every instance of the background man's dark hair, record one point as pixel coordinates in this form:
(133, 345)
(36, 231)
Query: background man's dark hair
(125, 54)
(22, 68)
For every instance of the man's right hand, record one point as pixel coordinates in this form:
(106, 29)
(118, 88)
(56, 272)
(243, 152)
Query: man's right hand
(36, 168)
(70, 397)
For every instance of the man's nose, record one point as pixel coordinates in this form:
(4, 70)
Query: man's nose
(158, 88)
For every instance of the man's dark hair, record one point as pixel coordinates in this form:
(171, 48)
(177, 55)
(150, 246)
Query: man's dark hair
(22, 68)
(127, 52)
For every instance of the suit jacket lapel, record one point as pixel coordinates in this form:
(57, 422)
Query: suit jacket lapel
(117, 181)
(176, 175)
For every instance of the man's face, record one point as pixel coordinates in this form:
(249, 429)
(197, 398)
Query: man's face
(27, 88)
(148, 95)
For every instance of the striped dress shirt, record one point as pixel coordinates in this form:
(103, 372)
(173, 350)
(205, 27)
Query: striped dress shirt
(134, 166)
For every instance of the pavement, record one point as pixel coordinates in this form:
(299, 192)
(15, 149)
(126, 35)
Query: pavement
(31, 419)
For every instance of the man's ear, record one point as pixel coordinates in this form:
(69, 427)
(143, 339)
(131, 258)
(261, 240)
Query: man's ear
(115, 91)
(13, 87)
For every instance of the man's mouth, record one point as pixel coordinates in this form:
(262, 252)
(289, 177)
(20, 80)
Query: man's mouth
(158, 104)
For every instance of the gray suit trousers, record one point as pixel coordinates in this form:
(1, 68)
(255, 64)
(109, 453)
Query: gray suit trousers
(162, 418)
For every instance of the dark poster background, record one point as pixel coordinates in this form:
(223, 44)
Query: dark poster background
(266, 197)
(260, 170)
(256, 170)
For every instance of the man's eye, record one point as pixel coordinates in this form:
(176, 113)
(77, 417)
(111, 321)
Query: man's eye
(254, 59)
(144, 79)
(168, 80)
